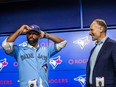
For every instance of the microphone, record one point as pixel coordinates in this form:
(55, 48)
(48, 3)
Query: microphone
(32, 83)
(100, 84)
(99, 81)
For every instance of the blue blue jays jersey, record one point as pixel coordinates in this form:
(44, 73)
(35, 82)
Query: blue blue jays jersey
(33, 64)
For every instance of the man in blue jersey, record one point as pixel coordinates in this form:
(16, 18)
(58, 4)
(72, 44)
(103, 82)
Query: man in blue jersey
(33, 59)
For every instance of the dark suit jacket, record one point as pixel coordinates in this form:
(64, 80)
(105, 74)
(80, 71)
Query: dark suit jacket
(105, 65)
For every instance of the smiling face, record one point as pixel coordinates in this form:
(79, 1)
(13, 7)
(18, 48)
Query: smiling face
(96, 31)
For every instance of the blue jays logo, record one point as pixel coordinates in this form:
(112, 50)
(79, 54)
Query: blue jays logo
(45, 66)
(55, 61)
(3, 63)
(23, 44)
(81, 79)
(82, 42)
(34, 26)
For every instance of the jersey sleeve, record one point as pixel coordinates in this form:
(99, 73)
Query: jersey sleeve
(52, 50)
(14, 53)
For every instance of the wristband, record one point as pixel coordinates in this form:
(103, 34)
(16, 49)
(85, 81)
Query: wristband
(45, 35)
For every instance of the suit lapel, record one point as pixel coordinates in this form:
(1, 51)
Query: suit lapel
(105, 45)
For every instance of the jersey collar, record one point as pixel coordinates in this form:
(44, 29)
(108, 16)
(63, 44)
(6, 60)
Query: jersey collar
(32, 46)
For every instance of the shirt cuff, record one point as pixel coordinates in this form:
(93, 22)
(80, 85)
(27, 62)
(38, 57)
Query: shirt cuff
(7, 46)
(61, 45)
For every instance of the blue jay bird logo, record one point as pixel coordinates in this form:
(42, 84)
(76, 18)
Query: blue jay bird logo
(34, 26)
(82, 42)
(55, 61)
(23, 44)
(3, 63)
(45, 66)
(81, 79)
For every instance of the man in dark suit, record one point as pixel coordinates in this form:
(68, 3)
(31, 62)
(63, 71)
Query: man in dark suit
(102, 60)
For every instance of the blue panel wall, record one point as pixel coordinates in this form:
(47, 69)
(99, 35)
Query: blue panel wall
(70, 63)
(49, 16)
(65, 68)
(104, 9)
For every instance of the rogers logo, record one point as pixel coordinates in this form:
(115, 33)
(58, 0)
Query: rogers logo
(0, 47)
(8, 82)
(77, 61)
(58, 80)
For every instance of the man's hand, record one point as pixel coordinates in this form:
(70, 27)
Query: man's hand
(24, 29)
(41, 34)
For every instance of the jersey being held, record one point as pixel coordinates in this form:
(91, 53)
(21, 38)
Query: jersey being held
(33, 64)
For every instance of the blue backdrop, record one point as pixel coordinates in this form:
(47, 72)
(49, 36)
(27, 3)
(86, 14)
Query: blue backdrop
(67, 68)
